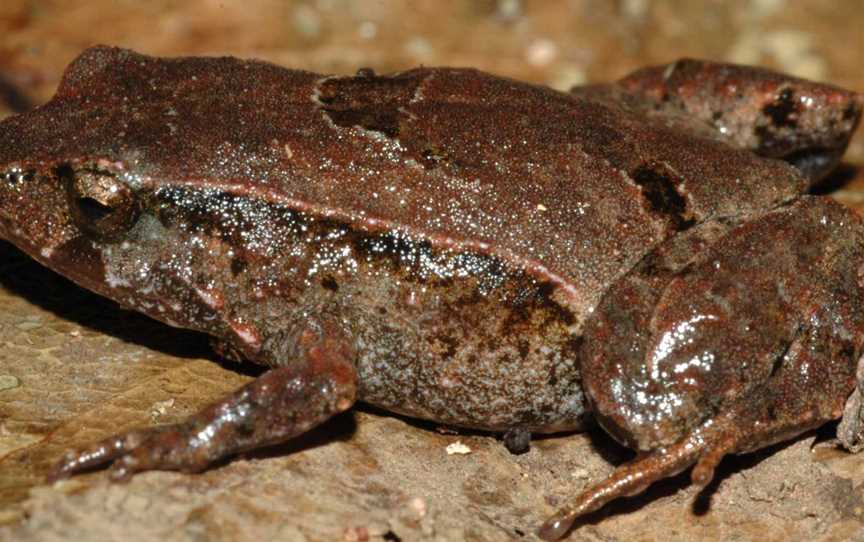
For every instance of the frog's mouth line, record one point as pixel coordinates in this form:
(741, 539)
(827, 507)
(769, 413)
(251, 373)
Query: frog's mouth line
(86, 268)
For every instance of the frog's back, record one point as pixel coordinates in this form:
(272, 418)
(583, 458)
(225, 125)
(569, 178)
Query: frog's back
(574, 188)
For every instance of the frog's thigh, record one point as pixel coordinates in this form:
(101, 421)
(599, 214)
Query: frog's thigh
(317, 383)
(807, 388)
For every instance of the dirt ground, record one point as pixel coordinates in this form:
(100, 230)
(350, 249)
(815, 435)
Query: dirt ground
(75, 367)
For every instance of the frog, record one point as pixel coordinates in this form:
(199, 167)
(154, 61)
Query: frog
(644, 255)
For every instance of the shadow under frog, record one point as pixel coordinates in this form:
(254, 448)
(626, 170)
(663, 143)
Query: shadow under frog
(461, 248)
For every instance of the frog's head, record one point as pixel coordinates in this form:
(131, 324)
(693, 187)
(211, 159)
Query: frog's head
(177, 251)
(97, 185)
(101, 226)
(65, 214)
(146, 181)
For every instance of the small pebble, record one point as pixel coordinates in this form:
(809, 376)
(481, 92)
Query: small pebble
(458, 448)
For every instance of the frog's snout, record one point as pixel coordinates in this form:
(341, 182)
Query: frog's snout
(34, 210)
(809, 127)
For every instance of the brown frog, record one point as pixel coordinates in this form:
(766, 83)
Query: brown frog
(462, 248)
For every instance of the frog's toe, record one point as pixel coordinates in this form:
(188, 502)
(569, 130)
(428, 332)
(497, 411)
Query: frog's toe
(74, 462)
(96, 455)
(169, 447)
(703, 472)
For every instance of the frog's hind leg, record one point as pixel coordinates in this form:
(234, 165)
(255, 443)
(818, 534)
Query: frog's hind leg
(282, 403)
(706, 446)
(627, 480)
(728, 433)
(806, 389)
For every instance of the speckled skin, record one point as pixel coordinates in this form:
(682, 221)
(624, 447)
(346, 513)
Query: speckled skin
(459, 247)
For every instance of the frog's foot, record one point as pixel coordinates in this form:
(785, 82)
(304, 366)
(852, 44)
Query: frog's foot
(744, 427)
(280, 404)
(629, 479)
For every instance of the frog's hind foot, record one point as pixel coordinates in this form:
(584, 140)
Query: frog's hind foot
(744, 427)
(280, 404)
(627, 480)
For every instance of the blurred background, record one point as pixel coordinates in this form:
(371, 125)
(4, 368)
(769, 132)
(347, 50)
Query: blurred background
(367, 476)
(555, 42)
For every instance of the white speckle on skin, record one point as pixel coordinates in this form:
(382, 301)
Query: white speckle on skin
(115, 281)
(247, 334)
(209, 299)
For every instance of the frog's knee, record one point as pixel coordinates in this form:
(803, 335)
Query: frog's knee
(806, 123)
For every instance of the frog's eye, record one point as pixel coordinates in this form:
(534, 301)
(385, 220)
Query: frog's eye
(101, 204)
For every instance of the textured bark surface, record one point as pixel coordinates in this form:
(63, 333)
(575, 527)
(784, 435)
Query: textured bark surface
(75, 368)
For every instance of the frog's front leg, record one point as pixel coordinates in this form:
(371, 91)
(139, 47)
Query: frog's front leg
(282, 403)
